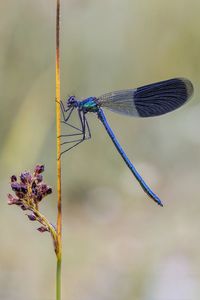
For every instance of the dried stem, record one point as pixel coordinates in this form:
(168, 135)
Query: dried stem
(58, 132)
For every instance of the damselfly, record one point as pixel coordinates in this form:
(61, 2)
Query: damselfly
(147, 101)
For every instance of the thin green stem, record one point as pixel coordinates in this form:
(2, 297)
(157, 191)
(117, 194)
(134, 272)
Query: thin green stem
(58, 279)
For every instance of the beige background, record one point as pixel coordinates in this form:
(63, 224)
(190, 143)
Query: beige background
(117, 244)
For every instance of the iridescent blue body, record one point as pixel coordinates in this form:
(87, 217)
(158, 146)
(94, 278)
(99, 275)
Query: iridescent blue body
(147, 101)
(88, 105)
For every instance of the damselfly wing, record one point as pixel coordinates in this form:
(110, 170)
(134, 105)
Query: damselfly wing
(150, 100)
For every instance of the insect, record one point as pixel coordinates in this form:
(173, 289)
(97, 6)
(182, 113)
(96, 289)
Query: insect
(147, 101)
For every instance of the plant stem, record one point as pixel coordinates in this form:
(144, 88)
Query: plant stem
(46, 223)
(58, 133)
(58, 280)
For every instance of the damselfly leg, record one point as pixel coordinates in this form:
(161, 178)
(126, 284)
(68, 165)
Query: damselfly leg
(81, 134)
(67, 116)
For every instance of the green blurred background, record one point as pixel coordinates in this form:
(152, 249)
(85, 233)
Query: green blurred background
(117, 244)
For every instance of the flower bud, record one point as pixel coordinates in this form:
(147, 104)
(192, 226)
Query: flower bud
(19, 189)
(42, 229)
(43, 189)
(24, 189)
(39, 178)
(39, 169)
(31, 217)
(20, 195)
(26, 177)
(23, 207)
(39, 198)
(16, 187)
(13, 178)
(12, 200)
(49, 190)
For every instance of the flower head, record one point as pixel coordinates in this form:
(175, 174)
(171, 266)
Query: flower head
(29, 191)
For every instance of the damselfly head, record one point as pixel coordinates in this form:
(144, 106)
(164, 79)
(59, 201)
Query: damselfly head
(72, 102)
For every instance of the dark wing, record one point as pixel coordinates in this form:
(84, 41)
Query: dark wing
(150, 100)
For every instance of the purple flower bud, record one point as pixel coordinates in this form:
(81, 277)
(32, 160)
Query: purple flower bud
(39, 178)
(24, 189)
(43, 188)
(12, 200)
(31, 217)
(49, 191)
(26, 177)
(42, 229)
(19, 189)
(16, 187)
(39, 198)
(13, 178)
(39, 169)
(20, 195)
(23, 207)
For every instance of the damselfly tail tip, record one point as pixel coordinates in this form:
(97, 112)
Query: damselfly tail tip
(158, 201)
(188, 86)
(156, 198)
(153, 196)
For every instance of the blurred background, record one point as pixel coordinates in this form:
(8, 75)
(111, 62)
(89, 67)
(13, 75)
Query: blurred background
(117, 244)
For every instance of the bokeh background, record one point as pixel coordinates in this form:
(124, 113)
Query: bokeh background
(117, 244)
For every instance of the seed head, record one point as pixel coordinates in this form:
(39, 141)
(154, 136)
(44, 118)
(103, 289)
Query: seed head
(29, 191)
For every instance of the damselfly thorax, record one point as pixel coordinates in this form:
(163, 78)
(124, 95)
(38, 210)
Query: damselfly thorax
(88, 105)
